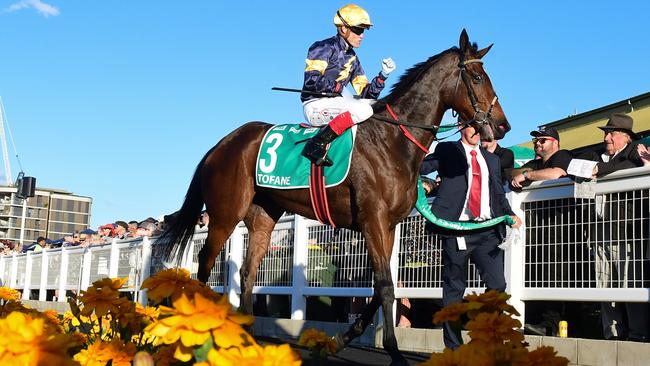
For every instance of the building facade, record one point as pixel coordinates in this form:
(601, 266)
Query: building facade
(581, 131)
(50, 213)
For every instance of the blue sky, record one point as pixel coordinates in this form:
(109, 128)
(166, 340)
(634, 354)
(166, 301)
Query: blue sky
(119, 100)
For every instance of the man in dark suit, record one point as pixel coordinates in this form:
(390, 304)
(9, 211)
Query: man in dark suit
(619, 256)
(470, 189)
(506, 157)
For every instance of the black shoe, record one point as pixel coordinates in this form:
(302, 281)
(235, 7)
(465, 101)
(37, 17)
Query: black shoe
(316, 148)
(641, 339)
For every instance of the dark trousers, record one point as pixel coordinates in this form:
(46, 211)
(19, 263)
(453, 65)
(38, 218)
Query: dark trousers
(484, 250)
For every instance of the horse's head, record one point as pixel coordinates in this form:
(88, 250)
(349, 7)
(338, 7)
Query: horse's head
(473, 97)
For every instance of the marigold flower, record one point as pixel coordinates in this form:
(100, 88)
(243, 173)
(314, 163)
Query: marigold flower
(7, 294)
(100, 352)
(170, 282)
(492, 301)
(513, 354)
(453, 312)
(316, 339)
(546, 356)
(193, 322)
(164, 355)
(24, 341)
(253, 356)
(493, 328)
(100, 300)
(465, 355)
(112, 283)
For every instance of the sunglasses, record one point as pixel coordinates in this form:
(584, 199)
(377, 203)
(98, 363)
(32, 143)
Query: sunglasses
(542, 140)
(357, 30)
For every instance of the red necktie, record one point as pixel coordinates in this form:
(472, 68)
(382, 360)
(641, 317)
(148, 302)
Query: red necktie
(475, 190)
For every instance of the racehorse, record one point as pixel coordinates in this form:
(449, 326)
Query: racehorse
(379, 192)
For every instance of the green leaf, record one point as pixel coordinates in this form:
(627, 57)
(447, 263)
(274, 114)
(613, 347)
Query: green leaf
(201, 353)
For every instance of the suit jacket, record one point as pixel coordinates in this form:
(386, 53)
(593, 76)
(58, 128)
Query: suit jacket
(507, 160)
(626, 159)
(450, 161)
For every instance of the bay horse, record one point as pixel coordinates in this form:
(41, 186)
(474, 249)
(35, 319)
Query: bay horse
(379, 192)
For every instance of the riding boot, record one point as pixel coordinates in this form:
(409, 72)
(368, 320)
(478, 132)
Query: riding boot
(316, 148)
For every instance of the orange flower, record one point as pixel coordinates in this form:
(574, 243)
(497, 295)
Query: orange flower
(164, 356)
(491, 301)
(513, 354)
(112, 283)
(453, 312)
(23, 341)
(546, 356)
(7, 294)
(100, 300)
(193, 322)
(100, 352)
(170, 282)
(254, 355)
(316, 339)
(465, 355)
(493, 328)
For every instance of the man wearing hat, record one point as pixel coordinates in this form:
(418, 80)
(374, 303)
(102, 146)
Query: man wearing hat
(550, 161)
(619, 259)
(620, 152)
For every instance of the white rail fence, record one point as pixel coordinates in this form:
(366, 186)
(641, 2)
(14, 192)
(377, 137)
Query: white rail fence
(569, 249)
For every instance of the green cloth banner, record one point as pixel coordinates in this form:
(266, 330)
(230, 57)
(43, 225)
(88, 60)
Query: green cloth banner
(280, 163)
(425, 210)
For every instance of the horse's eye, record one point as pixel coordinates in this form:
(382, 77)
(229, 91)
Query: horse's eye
(478, 78)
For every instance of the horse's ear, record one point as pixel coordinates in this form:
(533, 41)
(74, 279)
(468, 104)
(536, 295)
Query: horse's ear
(481, 53)
(464, 40)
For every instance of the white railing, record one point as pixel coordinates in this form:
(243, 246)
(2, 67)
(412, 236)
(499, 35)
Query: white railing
(553, 257)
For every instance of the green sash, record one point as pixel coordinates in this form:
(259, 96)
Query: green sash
(425, 210)
(280, 164)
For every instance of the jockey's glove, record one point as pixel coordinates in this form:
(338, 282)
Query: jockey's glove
(387, 66)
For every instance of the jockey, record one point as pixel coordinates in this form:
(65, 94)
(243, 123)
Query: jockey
(331, 65)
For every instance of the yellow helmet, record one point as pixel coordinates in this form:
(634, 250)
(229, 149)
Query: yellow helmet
(352, 15)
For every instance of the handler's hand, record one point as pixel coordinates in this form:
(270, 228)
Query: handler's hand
(517, 223)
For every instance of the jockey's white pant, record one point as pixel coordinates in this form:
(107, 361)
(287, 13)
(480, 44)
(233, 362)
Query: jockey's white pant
(321, 111)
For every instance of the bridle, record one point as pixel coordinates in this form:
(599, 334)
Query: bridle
(480, 117)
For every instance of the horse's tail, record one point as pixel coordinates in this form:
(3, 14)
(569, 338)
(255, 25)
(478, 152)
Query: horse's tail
(180, 229)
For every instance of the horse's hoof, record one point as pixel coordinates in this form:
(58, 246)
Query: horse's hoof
(338, 342)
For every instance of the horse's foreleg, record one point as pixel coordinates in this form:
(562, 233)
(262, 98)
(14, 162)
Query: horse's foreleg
(260, 222)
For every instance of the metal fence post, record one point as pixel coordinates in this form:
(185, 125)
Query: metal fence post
(84, 281)
(514, 260)
(28, 277)
(113, 259)
(42, 288)
(14, 271)
(299, 277)
(146, 268)
(3, 265)
(235, 262)
(63, 276)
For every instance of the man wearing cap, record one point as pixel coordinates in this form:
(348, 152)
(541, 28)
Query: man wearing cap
(550, 162)
(620, 259)
(331, 65)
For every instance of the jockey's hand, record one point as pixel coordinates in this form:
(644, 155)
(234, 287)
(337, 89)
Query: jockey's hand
(387, 66)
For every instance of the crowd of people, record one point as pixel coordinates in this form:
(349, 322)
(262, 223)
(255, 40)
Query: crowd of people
(104, 234)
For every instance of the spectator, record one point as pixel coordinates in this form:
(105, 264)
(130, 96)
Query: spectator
(551, 163)
(146, 228)
(40, 244)
(121, 229)
(204, 219)
(644, 154)
(617, 255)
(506, 157)
(107, 232)
(68, 240)
(133, 228)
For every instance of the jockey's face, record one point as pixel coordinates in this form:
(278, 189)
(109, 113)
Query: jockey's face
(352, 35)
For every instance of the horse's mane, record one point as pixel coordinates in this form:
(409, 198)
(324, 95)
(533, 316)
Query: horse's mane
(412, 75)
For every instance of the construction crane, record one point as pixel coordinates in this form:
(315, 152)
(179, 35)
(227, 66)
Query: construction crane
(5, 150)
